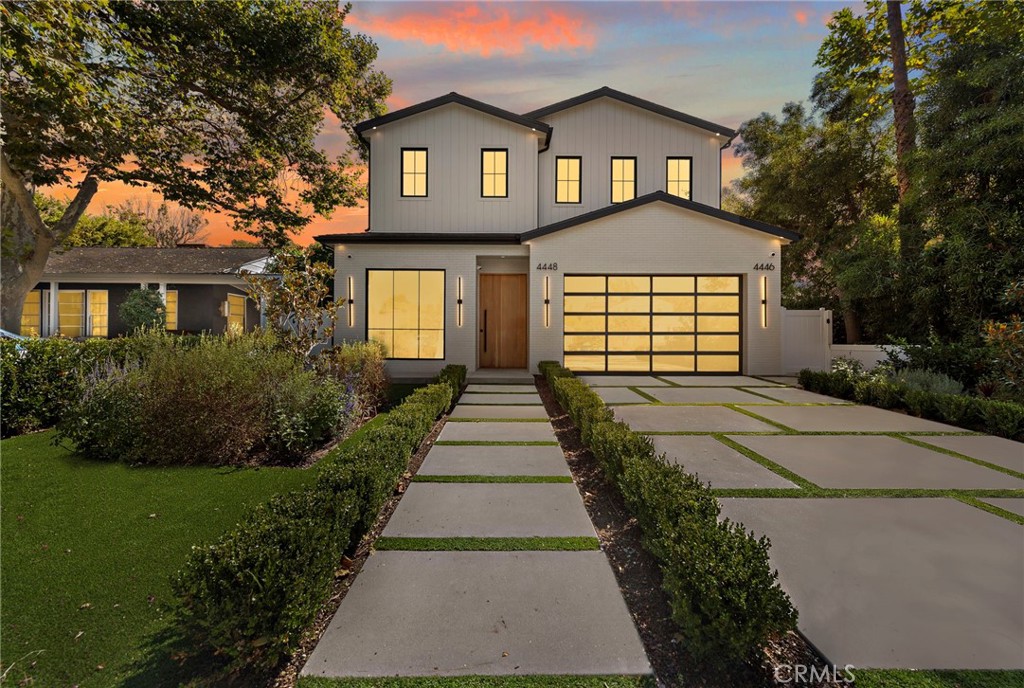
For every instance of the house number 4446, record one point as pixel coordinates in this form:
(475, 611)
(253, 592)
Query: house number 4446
(547, 266)
(764, 266)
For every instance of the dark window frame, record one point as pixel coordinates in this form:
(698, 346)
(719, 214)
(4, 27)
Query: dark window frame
(611, 178)
(401, 173)
(688, 158)
(444, 309)
(483, 174)
(579, 181)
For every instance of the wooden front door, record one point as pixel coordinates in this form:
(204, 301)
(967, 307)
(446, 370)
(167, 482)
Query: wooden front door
(502, 321)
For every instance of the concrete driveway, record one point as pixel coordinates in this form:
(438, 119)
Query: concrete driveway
(899, 539)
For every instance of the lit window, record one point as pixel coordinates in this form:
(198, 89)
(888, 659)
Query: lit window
(71, 313)
(32, 314)
(414, 172)
(405, 312)
(171, 309)
(98, 313)
(623, 179)
(567, 179)
(494, 166)
(677, 176)
(236, 313)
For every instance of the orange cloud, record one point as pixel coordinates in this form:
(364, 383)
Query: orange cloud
(801, 17)
(485, 30)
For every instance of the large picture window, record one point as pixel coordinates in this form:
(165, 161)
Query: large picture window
(414, 172)
(652, 323)
(623, 179)
(405, 312)
(494, 173)
(678, 175)
(568, 175)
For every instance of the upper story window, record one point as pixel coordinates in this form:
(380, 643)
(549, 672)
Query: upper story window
(414, 172)
(678, 176)
(623, 179)
(494, 172)
(568, 173)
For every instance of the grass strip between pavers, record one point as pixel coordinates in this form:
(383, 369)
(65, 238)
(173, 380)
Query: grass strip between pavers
(958, 455)
(789, 475)
(642, 393)
(492, 479)
(486, 544)
(761, 418)
(490, 443)
(924, 678)
(971, 500)
(496, 420)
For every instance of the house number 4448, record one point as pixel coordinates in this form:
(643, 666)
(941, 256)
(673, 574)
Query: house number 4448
(547, 266)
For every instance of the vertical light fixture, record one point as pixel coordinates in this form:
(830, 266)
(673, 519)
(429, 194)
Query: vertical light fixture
(351, 301)
(547, 301)
(458, 303)
(764, 300)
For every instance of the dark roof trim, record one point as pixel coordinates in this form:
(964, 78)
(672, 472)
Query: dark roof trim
(606, 92)
(453, 97)
(418, 238)
(664, 198)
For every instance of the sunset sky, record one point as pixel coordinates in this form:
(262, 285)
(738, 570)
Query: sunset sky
(722, 61)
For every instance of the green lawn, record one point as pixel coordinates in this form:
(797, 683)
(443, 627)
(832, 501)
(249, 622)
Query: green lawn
(88, 549)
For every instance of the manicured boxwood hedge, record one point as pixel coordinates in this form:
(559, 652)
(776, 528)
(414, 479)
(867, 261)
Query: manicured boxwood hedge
(1002, 418)
(455, 377)
(249, 597)
(723, 592)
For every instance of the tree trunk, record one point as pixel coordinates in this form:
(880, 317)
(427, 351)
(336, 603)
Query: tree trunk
(906, 131)
(851, 321)
(27, 241)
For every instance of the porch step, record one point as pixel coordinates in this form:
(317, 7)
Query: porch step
(500, 376)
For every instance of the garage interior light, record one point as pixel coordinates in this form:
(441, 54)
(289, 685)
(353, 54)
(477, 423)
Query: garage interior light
(351, 301)
(764, 300)
(458, 302)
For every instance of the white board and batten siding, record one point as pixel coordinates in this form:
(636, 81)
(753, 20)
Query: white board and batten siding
(453, 136)
(604, 128)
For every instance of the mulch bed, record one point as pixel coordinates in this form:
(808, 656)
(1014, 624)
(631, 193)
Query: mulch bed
(353, 564)
(639, 579)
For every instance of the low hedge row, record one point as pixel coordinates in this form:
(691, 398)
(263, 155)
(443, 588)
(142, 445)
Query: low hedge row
(722, 590)
(1002, 418)
(249, 597)
(455, 377)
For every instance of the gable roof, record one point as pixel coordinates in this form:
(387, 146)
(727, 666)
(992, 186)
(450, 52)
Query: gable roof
(458, 99)
(606, 92)
(104, 260)
(662, 197)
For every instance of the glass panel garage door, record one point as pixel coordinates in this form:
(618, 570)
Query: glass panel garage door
(652, 323)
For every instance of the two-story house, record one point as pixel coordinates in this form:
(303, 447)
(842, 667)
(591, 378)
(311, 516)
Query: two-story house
(587, 232)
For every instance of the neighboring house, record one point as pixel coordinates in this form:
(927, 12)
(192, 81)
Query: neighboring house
(587, 232)
(202, 287)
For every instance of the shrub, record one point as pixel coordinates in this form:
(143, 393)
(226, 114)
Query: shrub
(359, 366)
(143, 309)
(250, 596)
(720, 585)
(957, 409)
(454, 376)
(928, 381)
(1003, 418)
(964, 361)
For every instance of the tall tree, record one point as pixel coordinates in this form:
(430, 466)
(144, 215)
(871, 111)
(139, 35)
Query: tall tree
(168, 225)
(207, 102)
(902, 97)
(115, 227)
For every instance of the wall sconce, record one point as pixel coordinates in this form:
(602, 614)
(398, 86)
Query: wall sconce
(458, 302)
(764, 300)
(351, 301)
(547, 301)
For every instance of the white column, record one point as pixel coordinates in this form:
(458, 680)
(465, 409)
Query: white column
(163, 292)
(52, 325)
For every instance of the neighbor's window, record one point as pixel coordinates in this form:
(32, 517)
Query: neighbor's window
(71, 313)
(677, 176)
(567, 179)
(98, 313)
(236, 312)
(623, 179)
(414, 172)
(494, 173)
(405, 312)
(32, 314)
(171, 309)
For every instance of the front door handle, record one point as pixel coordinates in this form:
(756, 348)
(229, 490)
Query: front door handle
(485, 330)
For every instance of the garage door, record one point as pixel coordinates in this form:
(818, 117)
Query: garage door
(652, 323)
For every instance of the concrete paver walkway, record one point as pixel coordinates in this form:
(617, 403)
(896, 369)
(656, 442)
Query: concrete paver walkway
(446, 613)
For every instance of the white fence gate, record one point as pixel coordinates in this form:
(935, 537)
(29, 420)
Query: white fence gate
(806, 340)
